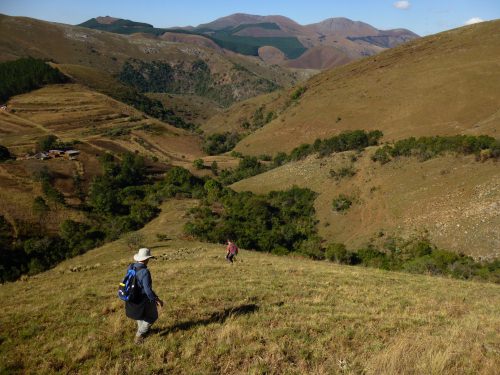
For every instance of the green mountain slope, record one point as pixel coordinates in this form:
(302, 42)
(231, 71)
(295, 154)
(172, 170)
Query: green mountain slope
(264, 314)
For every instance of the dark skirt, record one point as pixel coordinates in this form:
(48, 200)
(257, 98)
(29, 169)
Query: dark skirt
(145, 310)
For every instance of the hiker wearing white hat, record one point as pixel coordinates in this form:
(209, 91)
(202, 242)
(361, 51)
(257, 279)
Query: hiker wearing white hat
(144, 309)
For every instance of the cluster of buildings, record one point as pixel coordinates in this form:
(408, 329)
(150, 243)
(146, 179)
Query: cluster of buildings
(53, 154)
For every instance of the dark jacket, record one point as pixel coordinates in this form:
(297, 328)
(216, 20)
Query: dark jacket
(145, 307)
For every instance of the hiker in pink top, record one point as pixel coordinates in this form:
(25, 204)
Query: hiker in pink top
(231, 251)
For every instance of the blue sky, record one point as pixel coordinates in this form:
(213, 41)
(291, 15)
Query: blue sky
(421, 16)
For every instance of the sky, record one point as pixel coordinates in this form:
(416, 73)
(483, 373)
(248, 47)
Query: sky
(421, 16)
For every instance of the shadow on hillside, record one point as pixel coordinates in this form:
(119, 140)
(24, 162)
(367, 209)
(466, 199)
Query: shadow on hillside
(216, 317)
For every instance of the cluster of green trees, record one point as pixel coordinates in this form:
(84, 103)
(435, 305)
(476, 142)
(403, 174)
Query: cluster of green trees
(159, 76)
(250, 166)
(219, 143)
(352, 140)
(277, 221)
(246, 45)
(51, 142)
(190, 78)
(123, 26)
(225, 38)
(152, 107)
(425, 148)
(121, 200)
(26, 74)
(259, 119)
(417, 255)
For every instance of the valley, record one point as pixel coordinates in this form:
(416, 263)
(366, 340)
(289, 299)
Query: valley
(356, 168)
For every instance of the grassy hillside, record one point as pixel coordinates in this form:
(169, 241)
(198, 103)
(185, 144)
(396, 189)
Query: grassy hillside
(234, 118)
(100, 123)
(108, 52)
(442, 84)
(453, 198)
(72, 111)
(264, 314)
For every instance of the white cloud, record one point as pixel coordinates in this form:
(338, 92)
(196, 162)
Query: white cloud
(402, 4)
(473, 20)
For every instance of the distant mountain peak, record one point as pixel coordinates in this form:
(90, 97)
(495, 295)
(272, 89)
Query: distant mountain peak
(106, 20)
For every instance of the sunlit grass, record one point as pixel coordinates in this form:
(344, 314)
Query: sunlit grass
(264, 314)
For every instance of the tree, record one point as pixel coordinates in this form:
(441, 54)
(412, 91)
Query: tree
(214, 168)
(47, 143)
(103, 197)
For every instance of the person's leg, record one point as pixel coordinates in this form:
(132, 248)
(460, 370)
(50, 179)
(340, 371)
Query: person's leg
(150, 316)
(142, 328)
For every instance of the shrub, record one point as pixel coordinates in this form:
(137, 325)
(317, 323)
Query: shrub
(371, 257)
(342, 172)
(342, 203)
(40, 209)
(298, 92)
(337, 252)
(52, 194)
(4, 153)
(311, 247)
(382, 155)
(280, 159)
(280, 250)
(198, 164)
(214, 167)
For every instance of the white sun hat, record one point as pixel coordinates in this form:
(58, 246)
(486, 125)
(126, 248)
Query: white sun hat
(143, 254)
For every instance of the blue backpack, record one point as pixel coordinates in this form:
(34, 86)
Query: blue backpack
(128, 290)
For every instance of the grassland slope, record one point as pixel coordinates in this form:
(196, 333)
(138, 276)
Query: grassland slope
(439, 85)
(264, 314)
(454, 199)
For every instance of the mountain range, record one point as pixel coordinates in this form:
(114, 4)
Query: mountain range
(275, 39)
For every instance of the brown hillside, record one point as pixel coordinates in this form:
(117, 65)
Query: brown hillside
(271, 55)
(190, 39)
(442, 84)
(455, 199)
(233, 118)
(101, 124)
(72, 111)
(66, 44)
(320, 57)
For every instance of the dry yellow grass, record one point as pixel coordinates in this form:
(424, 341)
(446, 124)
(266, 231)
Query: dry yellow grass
(439, 85)
(455, 198)
(263, 315)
